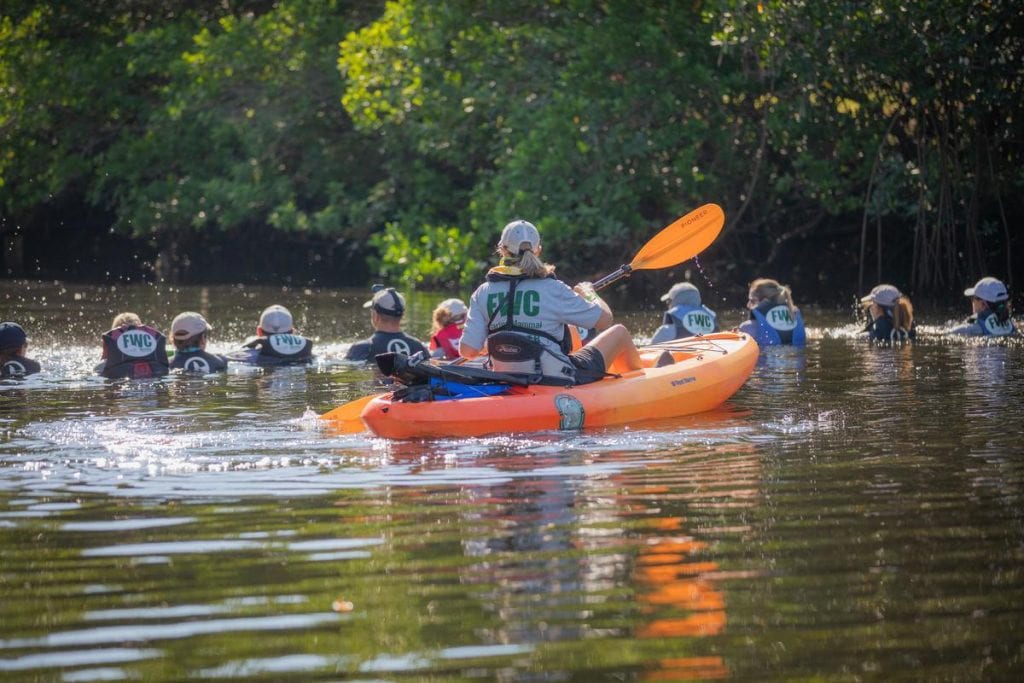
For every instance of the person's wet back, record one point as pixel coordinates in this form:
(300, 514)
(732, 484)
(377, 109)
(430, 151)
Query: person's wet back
(774, 320)
(189, 332)
(387, 307)
(132, 350)
(990, 310)
(277, 342)
(686, 315)
(13, 347)
(890, 315)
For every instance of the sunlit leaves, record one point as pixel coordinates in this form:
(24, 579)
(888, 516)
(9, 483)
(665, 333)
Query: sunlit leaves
(428, 256)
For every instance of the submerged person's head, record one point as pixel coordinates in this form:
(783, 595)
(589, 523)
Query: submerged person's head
(520, 246)
(387, 306)
(448, 312)
(275, 319)
(888, 299)
(988, 293)
(13, 340)
(189, 330)
(682, 294)
(125, 319)
(766, 289)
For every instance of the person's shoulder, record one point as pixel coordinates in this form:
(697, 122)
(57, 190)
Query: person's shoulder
(360, 350)
(663, 334)
(19, 366)
(554, 284)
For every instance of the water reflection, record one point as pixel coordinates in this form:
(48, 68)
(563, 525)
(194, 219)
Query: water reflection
(853, 513)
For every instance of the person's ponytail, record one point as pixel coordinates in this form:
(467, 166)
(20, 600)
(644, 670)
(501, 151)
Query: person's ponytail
(903, 315)
(1001, 309)
(531, 265)
(787, 298)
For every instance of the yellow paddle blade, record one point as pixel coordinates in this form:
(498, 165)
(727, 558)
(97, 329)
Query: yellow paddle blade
(682, 240)
(345, 418)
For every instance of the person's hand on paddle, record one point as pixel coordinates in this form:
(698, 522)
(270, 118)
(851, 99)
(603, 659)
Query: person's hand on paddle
(586, 290)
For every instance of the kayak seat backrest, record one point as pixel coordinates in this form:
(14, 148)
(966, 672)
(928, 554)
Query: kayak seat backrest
(512, 352)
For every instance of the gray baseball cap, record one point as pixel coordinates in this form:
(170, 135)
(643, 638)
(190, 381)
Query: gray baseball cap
(517, 233)
(682, 293)
(988, 289)
(883, 295)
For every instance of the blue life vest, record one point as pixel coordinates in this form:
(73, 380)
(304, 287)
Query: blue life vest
(881, 329)
(135, 352)
(776, 326)
(991, 327)
(691, 320)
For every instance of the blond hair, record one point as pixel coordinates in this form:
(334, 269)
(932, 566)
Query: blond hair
(903, 314)
(527, 261)
(766, 289)
(443, 317)
(125, 319)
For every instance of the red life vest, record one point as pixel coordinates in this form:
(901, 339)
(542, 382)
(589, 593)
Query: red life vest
(447, 339)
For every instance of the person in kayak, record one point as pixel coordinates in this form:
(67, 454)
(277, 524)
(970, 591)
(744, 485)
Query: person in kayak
(189, 331)
(276, 342)
(686, 316)
(990, 310)
(449, 317)
(387, 306)
(520, 313)
(774, 320)
(890, 315)
(13, 347)
(132, 350)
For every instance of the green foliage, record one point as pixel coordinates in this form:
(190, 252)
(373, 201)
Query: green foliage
(599, 121)
(429, 257)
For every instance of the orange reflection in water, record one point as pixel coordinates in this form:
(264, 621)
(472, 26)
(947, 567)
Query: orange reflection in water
(689, 669)
(676, 585)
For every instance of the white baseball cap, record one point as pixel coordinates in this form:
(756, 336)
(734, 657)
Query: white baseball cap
(454, 306)
(682, 293)
(988, 289)
(276, 320)
(883, 295)
(189, 324)
(387, 300)
(517, 233)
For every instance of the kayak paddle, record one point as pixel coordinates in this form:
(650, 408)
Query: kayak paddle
(680, 241)
(345, 418)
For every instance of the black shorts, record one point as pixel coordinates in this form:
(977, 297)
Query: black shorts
(589, 364)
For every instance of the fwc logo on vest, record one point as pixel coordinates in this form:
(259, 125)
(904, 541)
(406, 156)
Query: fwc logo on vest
(136, 343)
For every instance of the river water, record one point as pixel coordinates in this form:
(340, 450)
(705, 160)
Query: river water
(852, 513)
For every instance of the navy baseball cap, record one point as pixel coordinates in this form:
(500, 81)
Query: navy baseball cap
(11, 335)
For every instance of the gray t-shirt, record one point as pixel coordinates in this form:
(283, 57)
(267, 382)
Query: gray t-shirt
(544, 304)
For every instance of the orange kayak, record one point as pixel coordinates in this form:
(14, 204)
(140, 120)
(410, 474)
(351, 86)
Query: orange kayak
(706, 371)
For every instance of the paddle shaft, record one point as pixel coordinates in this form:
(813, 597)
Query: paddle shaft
(624, 270)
